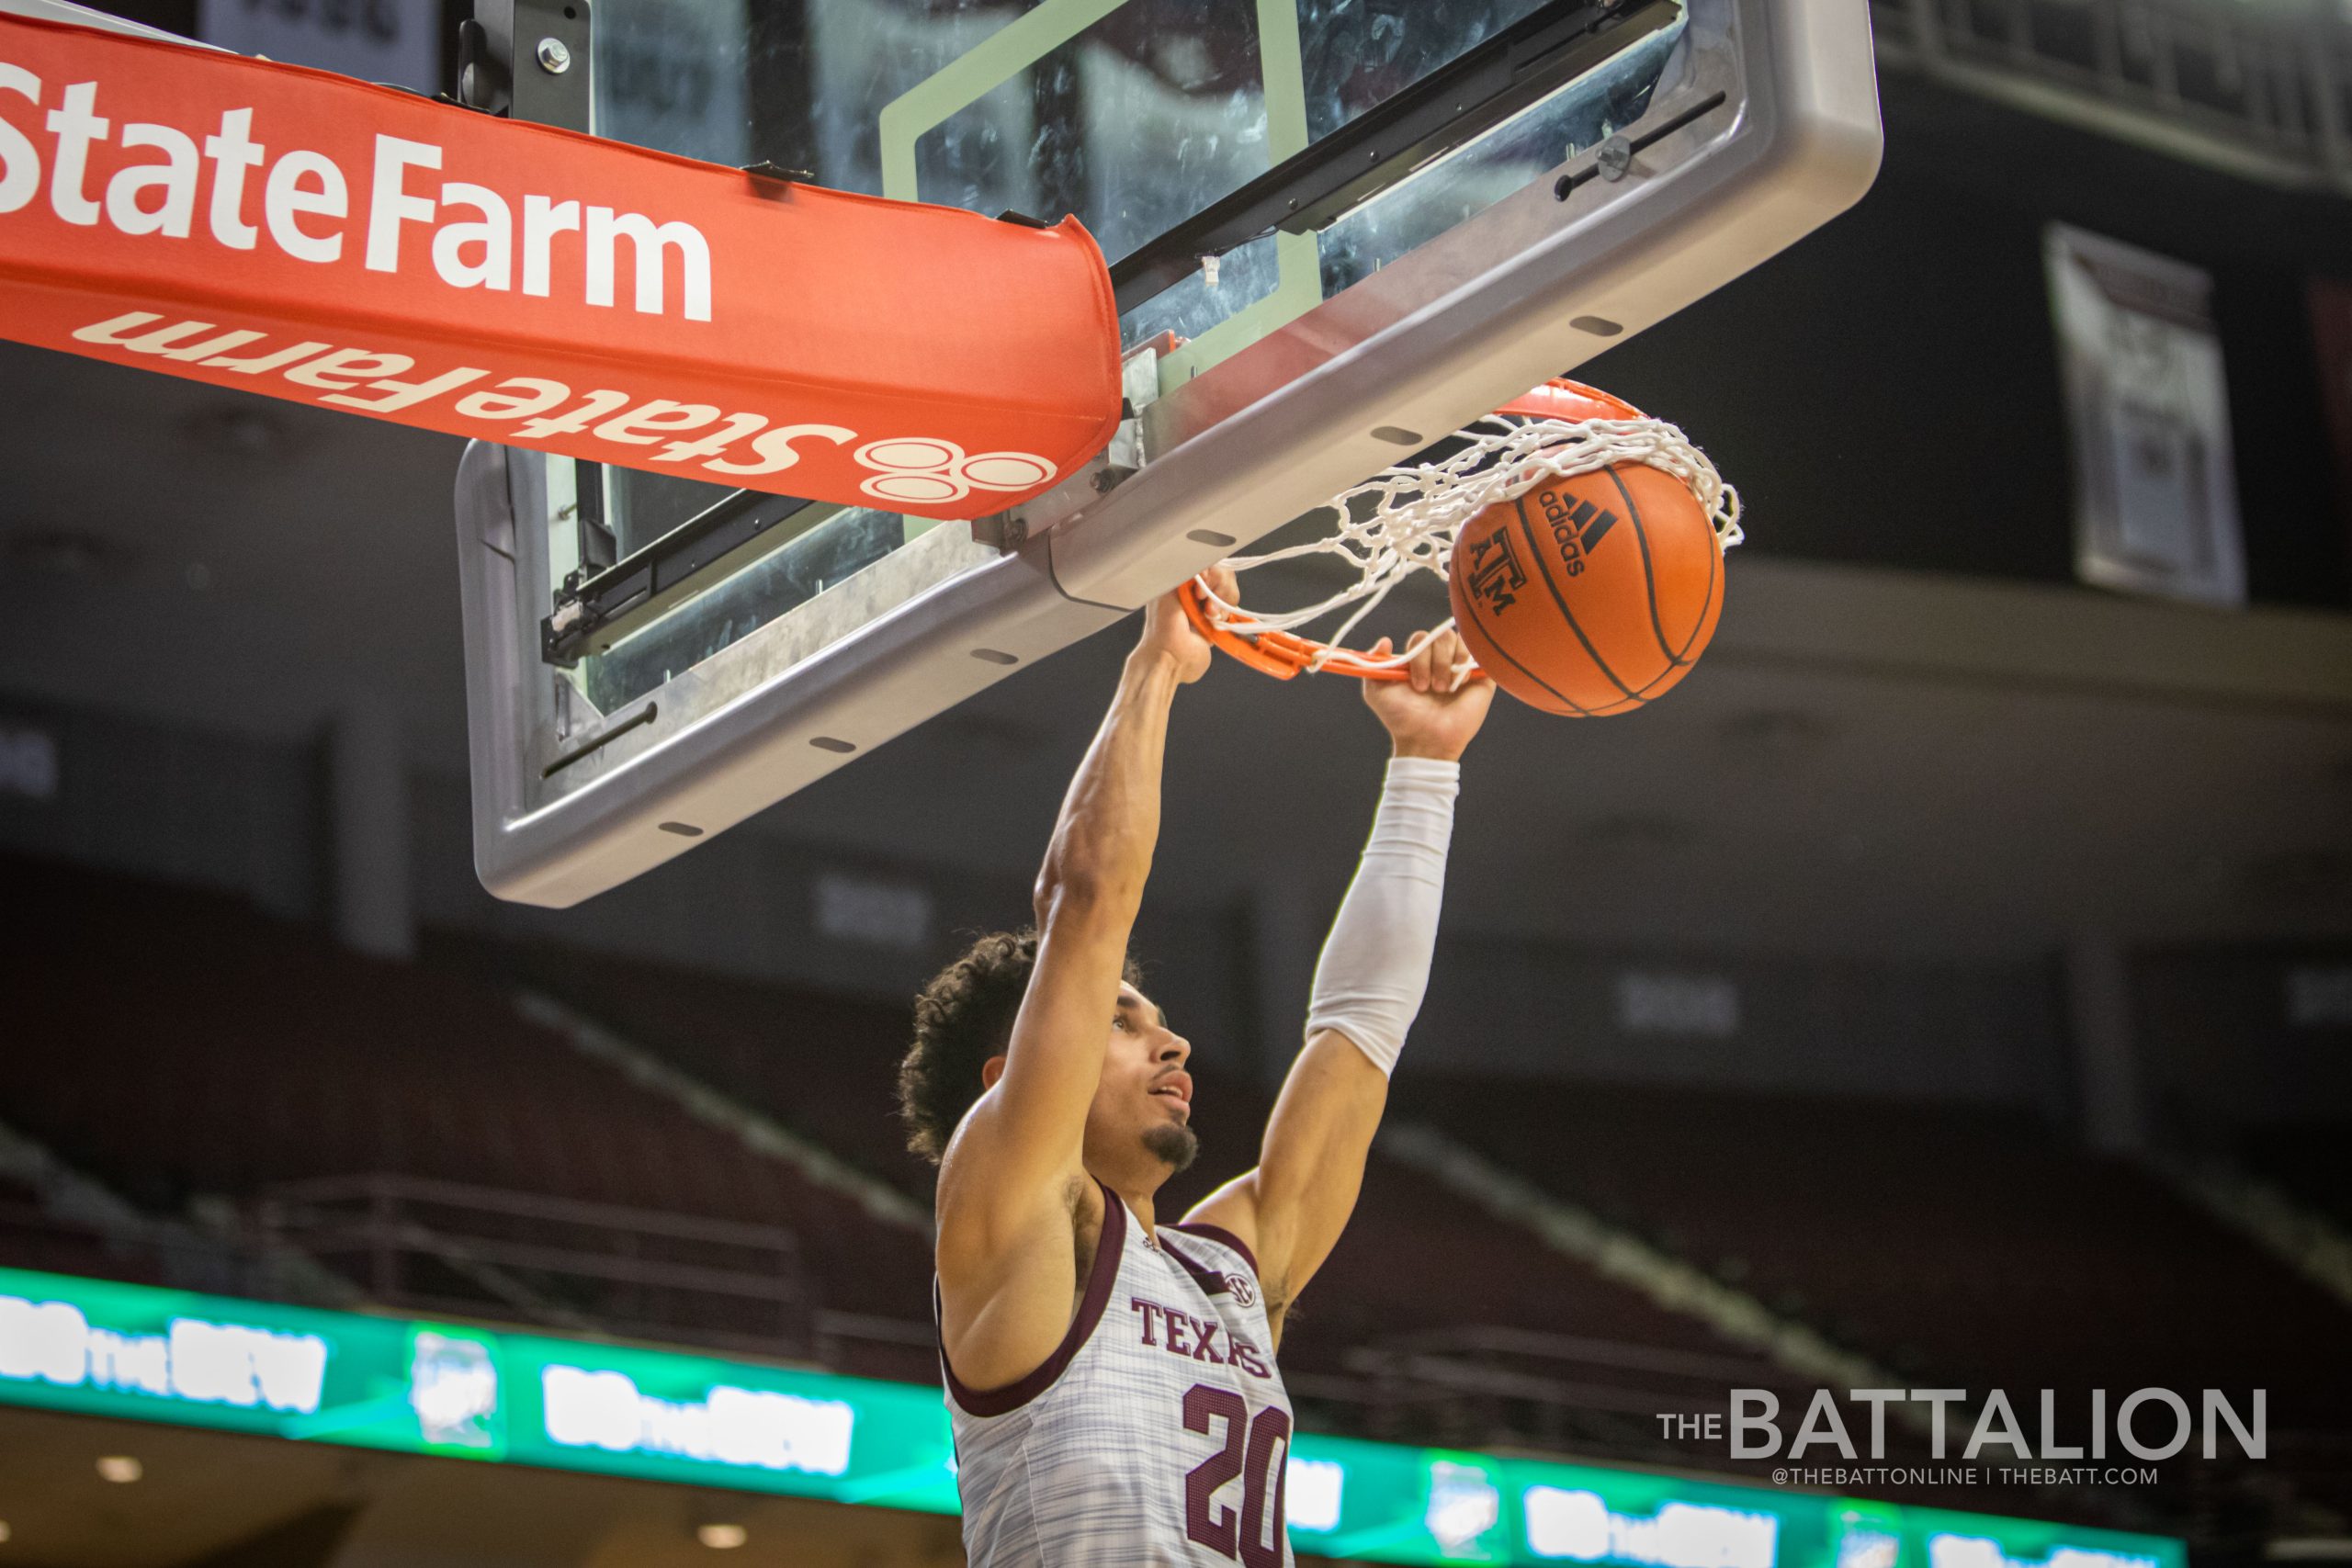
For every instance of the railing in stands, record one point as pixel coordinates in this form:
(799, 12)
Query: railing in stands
(560, 1263)
(2264, 92)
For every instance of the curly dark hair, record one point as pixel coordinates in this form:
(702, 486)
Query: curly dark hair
(962, 1018)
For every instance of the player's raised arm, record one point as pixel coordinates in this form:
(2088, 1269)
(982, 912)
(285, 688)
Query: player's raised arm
(1368, 985)
(1012, 1179)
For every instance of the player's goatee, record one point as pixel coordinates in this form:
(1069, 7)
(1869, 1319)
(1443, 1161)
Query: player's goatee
(1173, 1144)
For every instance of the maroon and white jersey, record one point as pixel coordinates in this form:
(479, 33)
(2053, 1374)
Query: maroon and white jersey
(1157, 1433)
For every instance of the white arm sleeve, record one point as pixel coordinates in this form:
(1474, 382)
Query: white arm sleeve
(1375, 964)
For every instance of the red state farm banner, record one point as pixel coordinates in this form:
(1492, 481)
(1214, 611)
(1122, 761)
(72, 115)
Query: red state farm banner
(300, 234)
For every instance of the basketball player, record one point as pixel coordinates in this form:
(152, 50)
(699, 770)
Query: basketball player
(1110, 1378)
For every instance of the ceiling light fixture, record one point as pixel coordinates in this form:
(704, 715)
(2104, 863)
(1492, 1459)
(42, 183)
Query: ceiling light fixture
(121, 1469)
(721, 1537)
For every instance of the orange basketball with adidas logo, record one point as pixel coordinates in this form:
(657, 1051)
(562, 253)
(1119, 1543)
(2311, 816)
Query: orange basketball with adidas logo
(1591, 594)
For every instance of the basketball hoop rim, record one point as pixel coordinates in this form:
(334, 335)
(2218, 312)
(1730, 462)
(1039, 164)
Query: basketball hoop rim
(1558, 415)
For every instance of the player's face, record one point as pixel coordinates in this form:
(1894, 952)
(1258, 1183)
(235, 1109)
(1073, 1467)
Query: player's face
(1144, 1104)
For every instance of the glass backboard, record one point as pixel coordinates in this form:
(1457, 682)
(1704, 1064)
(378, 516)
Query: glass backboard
(1338, 230)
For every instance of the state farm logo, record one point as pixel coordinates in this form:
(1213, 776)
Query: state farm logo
(908, 470)
(924, 470)
(173, 216)
(303, 202)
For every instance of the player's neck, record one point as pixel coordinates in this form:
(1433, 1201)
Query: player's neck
(1138, 1197)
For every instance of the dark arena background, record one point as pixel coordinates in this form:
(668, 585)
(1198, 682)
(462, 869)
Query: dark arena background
(1948, 987)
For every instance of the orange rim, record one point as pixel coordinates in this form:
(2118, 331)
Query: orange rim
(1285, 654)
(1280, 654)
(1572, 402)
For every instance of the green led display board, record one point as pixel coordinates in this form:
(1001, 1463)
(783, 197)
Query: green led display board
(97, 1348)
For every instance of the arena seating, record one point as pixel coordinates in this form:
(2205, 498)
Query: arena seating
(823, 1067)
(31, 1238)
(33, 1235)
(188, 1046)
(1431, 1321)
(266, 1056)
(1966, 1248)
(820, 1066)
(1970, 1247)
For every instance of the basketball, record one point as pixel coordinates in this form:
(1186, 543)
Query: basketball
(1590, 594)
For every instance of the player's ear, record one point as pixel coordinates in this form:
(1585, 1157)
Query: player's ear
(990, 1071)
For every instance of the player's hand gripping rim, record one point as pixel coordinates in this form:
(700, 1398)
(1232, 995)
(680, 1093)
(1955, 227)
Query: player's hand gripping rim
(1208, 599)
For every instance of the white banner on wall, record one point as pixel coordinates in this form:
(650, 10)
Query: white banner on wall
(2155, 490)
(28, 763)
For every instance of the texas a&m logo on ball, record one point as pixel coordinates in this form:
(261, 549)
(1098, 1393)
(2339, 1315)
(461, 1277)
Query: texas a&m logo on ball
(1495, 576)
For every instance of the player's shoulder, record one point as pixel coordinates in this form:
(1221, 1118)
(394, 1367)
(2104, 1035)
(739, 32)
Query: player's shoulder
(981, 1244)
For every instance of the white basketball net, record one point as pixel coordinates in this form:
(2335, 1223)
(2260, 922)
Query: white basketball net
(1412, 513)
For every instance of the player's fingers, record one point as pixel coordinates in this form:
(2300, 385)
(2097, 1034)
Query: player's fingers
(1438, 651)
(1419, 667)
(1447, 656)
(1223, 582)
(1371, 687)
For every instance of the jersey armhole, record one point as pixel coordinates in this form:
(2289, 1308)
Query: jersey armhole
(1224, 1238)
(1109, 1246)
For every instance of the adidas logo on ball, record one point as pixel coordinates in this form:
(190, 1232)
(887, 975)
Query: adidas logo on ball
(1579, 528)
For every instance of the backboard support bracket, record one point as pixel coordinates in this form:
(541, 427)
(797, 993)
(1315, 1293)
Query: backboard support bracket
(515, 37)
